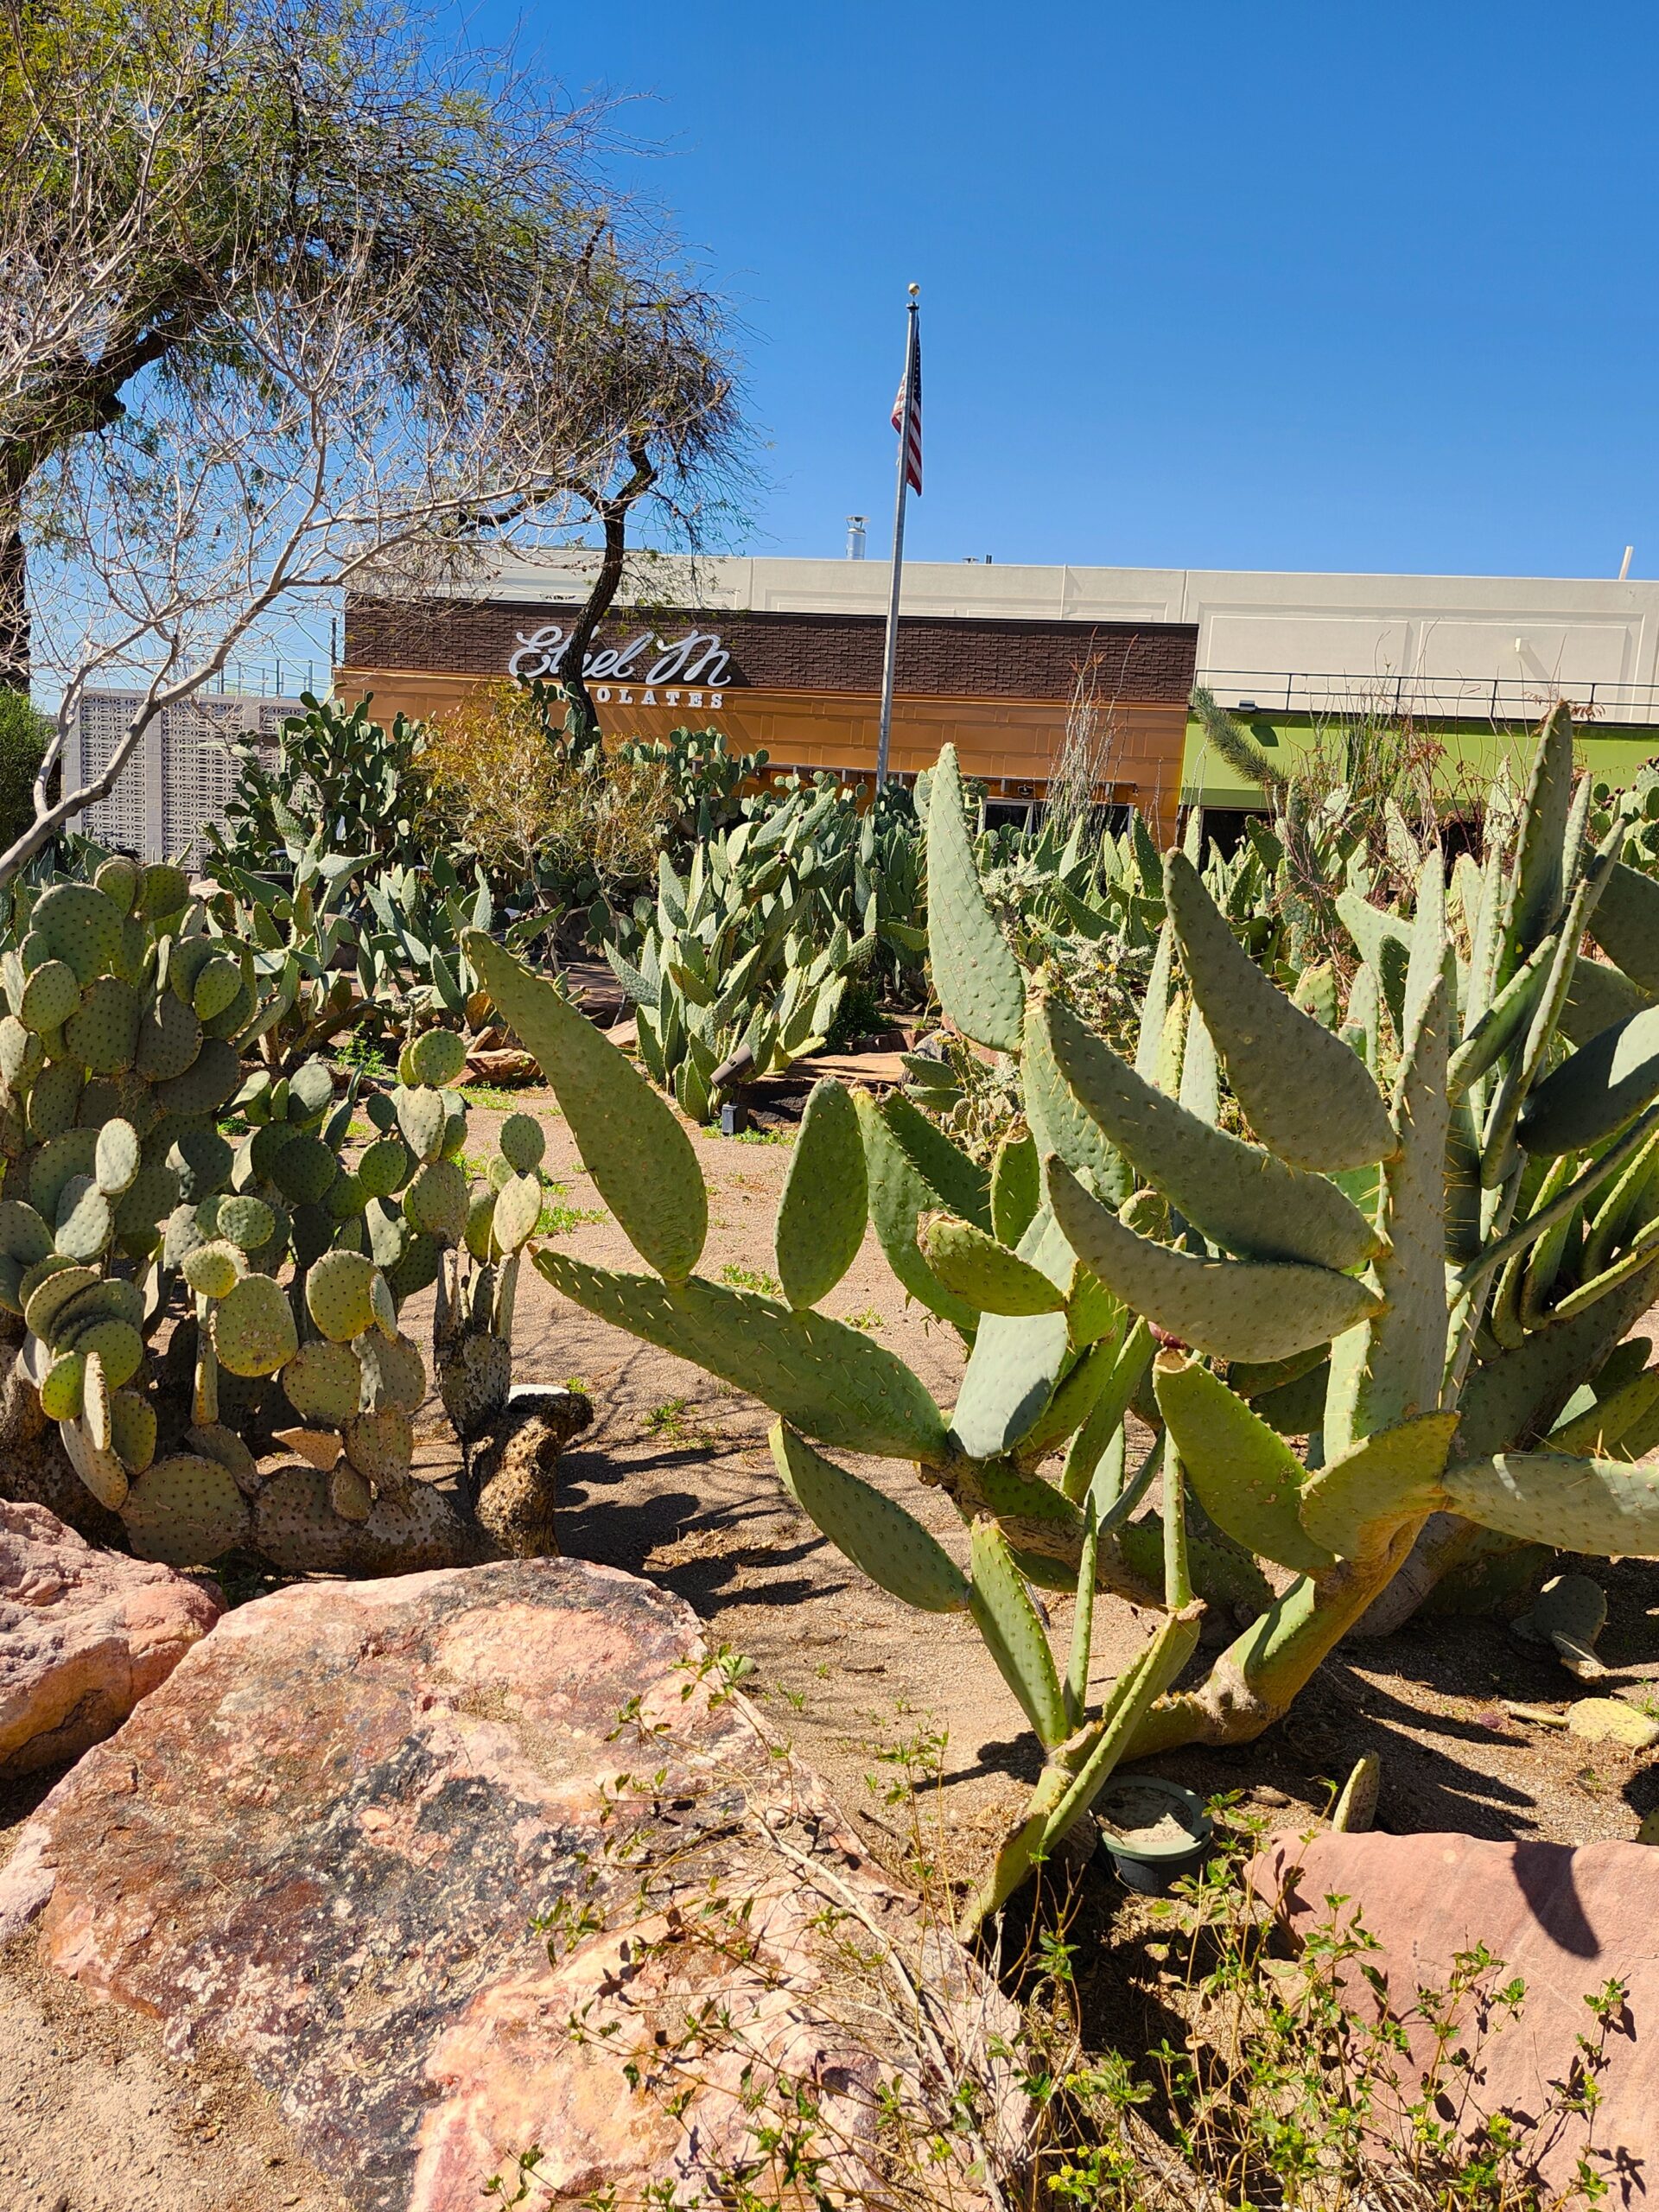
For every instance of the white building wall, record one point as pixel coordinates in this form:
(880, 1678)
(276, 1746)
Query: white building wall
(179, 778)
(1450, 645)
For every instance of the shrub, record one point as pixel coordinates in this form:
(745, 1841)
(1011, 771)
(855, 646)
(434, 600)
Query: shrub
(505, 789)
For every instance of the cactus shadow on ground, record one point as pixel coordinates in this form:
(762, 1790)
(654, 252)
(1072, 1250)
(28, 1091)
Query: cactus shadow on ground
(844, 1671)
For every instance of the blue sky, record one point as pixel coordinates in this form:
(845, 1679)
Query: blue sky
(1227, 283)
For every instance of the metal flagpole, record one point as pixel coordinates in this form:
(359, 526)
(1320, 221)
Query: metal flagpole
(891, 653)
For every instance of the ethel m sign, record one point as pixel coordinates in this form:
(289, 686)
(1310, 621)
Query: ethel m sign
(698, 658)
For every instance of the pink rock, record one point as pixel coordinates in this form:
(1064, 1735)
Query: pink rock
(323, 1846)
(1565, 1919)
(84, 1634)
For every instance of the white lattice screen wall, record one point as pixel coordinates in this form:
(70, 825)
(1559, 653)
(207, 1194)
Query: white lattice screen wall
(181, 774)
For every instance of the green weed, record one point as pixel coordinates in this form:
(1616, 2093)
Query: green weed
(491, 1099)
(556, 1219)
(667, 1419)
(360, 1055)
(1305, 2084)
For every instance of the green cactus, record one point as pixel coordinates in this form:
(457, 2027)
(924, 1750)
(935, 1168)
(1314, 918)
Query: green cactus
(422, 1119)
(381, 1446)
(122, 1197)
(522, 1143)
(1394, 1263)
(875, 1531)
(1307, 1097)
(1039, 1374)
(1235, 1309)
(976, 1266)
(253, 1327)
(618, 1122)
(339, 1294)
(322, 1383)
(825, 1202)
(185, 1510)
(743, 965)
(50, 995)
(975, 970)
(437, 1057)
(102, 1032)
(435, 1202)
(385, 1166)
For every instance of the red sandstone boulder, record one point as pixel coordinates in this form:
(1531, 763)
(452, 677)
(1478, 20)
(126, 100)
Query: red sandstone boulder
(1565, 1919)
(84, 1634)
(475, 1863)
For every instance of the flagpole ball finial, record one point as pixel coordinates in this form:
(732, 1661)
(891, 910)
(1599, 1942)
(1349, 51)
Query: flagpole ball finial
(915, 291)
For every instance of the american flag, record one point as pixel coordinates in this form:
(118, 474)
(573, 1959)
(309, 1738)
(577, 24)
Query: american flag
(909, 424)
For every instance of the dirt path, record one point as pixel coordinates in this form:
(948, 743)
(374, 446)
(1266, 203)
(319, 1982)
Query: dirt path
(674, 1481)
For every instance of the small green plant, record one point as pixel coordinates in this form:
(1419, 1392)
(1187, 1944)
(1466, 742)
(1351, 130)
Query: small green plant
(362, 1056)
(739, 1278)
(558, 1219)
(1302, 2079)
(667, 1419)
(489, 1098)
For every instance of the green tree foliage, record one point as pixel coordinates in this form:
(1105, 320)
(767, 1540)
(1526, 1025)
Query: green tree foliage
(24, 734)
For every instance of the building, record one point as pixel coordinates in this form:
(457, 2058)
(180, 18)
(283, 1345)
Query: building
(787, 654)
(182, 775)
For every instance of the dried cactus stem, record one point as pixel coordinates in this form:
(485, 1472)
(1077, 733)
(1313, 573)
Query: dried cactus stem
(517, 1470)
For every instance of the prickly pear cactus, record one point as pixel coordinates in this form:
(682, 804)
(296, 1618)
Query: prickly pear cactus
(1413, 1241)
(1426, 1262)
(274, 1273)
(832, 1386)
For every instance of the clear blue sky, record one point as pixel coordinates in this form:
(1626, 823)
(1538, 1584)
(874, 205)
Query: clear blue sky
(1242, 283)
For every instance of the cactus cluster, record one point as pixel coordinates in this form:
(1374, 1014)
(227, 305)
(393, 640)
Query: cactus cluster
(741, 966)
(1089, 912)
(1410, 1230)
(185, 1302)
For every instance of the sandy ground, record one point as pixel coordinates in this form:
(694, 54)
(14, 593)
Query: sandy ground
(674, 1481)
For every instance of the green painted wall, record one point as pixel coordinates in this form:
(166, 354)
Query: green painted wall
(1470, 753)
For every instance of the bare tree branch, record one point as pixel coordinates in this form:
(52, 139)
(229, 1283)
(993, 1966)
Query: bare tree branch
(281, 309)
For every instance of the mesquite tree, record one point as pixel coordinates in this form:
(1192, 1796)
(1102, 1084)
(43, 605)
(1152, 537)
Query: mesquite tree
(285, 303)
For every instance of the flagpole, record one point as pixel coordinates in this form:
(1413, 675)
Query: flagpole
(890, 652)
